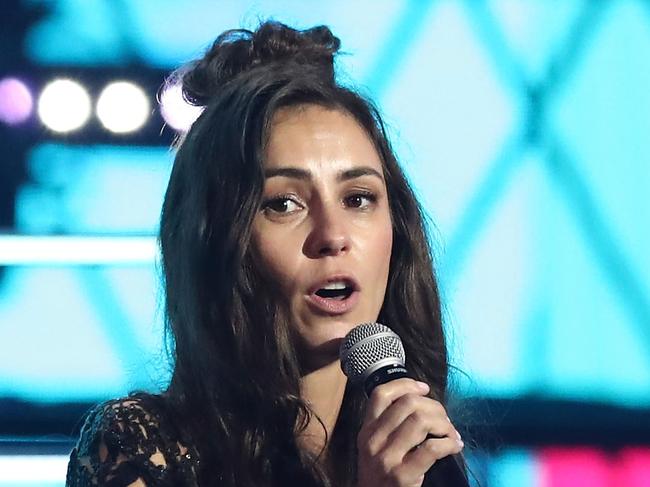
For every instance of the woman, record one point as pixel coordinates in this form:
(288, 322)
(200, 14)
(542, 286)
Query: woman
(287, 221)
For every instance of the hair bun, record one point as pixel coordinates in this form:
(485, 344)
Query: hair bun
(239, 50)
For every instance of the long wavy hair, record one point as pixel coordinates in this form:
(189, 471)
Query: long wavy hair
(235, 382)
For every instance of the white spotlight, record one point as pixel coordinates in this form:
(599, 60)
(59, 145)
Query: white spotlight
(64, 105)
(179, 114)
(122, 107)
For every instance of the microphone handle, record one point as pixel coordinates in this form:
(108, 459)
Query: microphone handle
(382, 375)
(385, 374)
(447, 471)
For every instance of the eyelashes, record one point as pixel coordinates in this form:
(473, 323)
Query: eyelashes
(287, 204)
(280, 204)
(358, 196)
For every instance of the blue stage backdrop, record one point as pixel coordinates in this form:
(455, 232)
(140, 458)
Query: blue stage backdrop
(523, 127)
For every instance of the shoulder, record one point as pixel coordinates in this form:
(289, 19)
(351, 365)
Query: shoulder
(131, 440)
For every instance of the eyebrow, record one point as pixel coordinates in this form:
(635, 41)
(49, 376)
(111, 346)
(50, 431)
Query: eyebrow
(305, 175)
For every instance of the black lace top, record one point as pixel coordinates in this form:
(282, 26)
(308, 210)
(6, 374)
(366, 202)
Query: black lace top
(131, 441)
(128, 440)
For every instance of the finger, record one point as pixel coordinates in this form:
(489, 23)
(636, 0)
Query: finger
(410, 434)
(384, 395)
(418, 461)
(423, 414)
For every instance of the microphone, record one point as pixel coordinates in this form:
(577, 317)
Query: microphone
(372, 354)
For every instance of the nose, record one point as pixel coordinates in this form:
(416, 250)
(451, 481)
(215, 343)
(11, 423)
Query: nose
(329, 235)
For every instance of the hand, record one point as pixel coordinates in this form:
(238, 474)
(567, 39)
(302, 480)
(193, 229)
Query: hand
(392, 443)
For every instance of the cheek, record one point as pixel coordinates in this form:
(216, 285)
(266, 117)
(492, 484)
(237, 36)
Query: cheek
(386, 250)
(384, 244)
(277, 261)
(377, 257)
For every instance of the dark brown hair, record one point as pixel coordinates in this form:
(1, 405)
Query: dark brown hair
(236, 372)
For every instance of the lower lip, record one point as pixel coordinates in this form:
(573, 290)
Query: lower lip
(333, 306)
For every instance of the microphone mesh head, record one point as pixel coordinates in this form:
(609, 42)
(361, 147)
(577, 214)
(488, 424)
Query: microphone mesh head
(368, 346)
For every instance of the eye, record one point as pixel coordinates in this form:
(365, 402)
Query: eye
(281, 205)
(361, 200)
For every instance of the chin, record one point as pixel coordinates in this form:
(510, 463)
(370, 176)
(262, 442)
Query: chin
(316, 356)
(321, 347)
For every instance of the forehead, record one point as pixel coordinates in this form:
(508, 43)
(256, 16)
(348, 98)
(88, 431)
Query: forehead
(315, 135)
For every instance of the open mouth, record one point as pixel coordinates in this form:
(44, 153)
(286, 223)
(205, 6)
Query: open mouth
(335, 296)
(335, 293)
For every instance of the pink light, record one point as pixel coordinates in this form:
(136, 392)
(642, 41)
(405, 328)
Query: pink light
(633, 468)
(179, 114)
(16, 102)
(575, 467)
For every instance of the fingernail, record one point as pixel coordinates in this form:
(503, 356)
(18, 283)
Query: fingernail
(460, 443)
(424, 387)
(458, 435)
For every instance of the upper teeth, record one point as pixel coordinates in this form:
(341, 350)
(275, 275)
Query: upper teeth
(335, 285)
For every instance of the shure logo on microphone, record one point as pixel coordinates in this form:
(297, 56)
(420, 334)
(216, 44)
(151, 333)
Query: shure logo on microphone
(398, 369)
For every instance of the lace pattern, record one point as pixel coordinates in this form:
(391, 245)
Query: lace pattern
(127, 441)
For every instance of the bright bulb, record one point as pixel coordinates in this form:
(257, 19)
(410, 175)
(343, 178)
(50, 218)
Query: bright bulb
(122, 107)
(178, 114)
(64, 105)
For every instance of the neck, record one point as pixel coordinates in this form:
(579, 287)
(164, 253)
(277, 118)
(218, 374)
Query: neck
(322, 389)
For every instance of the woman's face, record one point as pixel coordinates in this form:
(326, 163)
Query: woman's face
(324, 232)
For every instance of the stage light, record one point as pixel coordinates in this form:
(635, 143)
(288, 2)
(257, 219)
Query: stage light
(76, 250)
(64, 105)
(33, 469)
(178, 114)
(122, 107)
(16, 101)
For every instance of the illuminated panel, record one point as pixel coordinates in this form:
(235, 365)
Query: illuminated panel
(579, 467)
(69, 250)
(33, 470)
(633, 468)
(590, 467)
(99, 189)
(513, 467)
(80, 333)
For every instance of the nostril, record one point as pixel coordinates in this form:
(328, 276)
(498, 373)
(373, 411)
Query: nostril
(331, 251)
